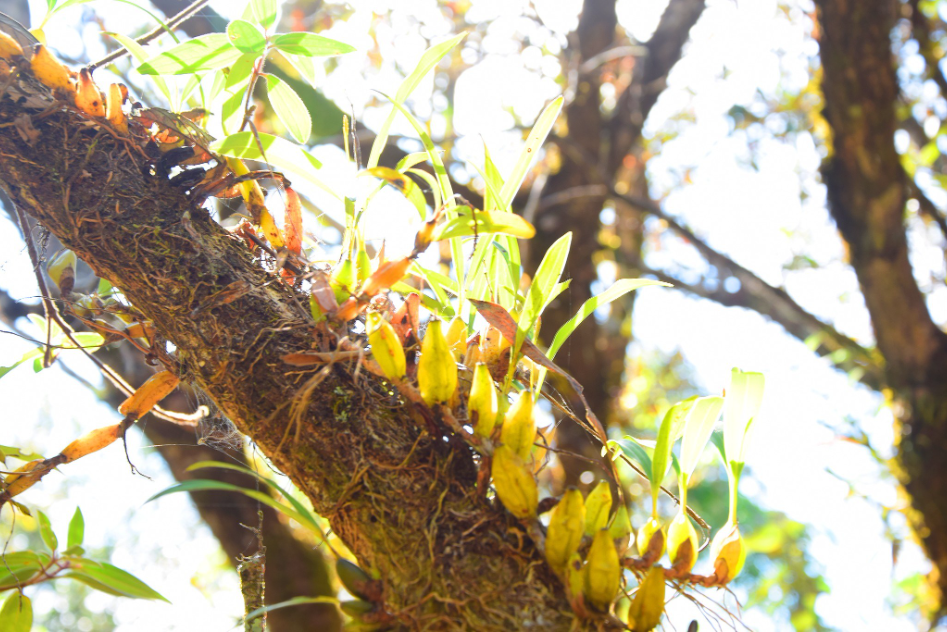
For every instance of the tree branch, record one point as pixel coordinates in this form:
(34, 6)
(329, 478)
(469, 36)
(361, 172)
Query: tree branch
(404, 501)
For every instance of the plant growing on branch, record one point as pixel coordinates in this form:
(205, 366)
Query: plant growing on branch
(453, 391)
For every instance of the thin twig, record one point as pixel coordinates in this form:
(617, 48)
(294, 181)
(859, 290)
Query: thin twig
(52, 313)
(177, 20)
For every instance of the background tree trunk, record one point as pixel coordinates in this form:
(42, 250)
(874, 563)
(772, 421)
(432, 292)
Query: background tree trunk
(867, 191)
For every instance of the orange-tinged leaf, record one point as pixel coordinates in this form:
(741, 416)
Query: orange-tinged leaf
(293, 222)
(384, 277)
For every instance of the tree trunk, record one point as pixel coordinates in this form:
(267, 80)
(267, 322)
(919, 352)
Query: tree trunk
(403, 500)
(593, 160)
(867, 191)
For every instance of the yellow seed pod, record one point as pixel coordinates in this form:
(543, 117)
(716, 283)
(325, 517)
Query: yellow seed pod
(514, 483)
(519, 428)
(437, 371)
(575, 582)
(647, 607)
(9, 47)
(566, 527)
(113, 109)
(363, 265)
(50, 70)
(342, 280)
(729, 552)
(62, 270)
(651, 538)
(603, 571)
(682, 543)
(386, 347)
(483, 404)
(156, 388)
(270, 229)
(620, 529)
(88, 97)
(92, 442)
(597, 507)
(457, 338)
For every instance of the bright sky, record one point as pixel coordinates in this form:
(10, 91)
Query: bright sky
(742, 52)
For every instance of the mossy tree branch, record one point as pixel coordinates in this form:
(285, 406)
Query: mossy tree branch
(403, 500)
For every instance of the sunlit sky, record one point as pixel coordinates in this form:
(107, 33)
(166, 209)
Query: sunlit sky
(742, 53)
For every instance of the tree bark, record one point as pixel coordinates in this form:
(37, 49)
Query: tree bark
(403, 500)
(867, 191)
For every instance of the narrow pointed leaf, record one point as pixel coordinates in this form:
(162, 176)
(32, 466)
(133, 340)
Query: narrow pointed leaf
(141, 55)
(698, 426)
(309, 45)
(428, 60)
(76, 530)
(535, 140)
(743, 401)
(619, 289)
(46, 531)
(118, 581)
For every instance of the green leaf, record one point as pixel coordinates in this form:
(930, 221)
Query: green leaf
(410, 160)
(619, 289)
(302, 518)
(403, 183)
(671, 427)
(239, 71)
(484, 222)
(46, 531)
(16, 614)
(207, 52)
(310, 517)
(295, 601)
(698, 425)
(111, 579)
(301, 63)
(428, 60)
(289, 108)
(309, 45)
(29, 355)
(17, 453)
(440, 171)
(262, 12)
(635, 452)
(535, 140)
(430, 304)
(231, 112)
(430, 181)
(547, 276)
(76, 530)
(17, 567)
(743, 401)
(140, 55)
(246, 37)
(279, 152)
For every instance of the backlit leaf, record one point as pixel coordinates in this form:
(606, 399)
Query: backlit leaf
(309, 45)
(289, 108)
(207, 52)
